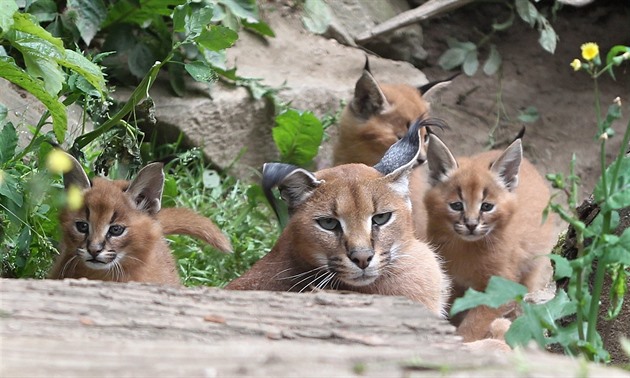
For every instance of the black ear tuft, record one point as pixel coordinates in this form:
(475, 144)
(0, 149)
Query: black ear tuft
(366, 67)
(520, 134)
(295, 184)
(402, 154)
(424, 89)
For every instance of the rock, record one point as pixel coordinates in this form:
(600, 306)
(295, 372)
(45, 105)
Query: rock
(314, 73)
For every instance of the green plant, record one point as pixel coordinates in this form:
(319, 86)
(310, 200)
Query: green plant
(597, 245)
(36, 60)
(466, 53)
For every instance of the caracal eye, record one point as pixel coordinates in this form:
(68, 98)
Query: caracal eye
(486, 206)
(116, 230)
(328, 223)
(82, 227)
(381, 219)
(457, 206)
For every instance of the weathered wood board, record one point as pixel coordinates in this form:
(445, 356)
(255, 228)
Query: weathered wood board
(78, 328)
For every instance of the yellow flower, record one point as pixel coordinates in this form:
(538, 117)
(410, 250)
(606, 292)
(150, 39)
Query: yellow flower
(576, 64)
(590, 50)
(74, 198)
(58, 161)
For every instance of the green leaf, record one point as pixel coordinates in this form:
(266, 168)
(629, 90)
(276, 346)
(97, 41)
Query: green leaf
(200, 71)
(317, 16)
(217, 38)
(7, 9)
(138, 11)
(19, 77)
(141, 59)
(562, 268)
(498, 292)
(259, 27)
(614, 55)
(244, 9)
(43, 10)
(596, 226)
(519, 333)
(619, 194)
(471, 63)
(8, 142)
(90, 15)
(197, 18)
(179, 17)
(455, 43)
(619, 253)
(10, 188)
(88, 70)
(618, 289)
(452, 58)
(493, 63)
(297, 136)
(548, 38)
(529, 115)
(527, 11)
(26, 24)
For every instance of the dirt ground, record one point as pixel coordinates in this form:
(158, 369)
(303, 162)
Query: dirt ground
(533, 77)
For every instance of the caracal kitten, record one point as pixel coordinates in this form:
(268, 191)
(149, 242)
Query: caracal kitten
(379, 115)
(350, 228)
(118, 233)
(486, 219)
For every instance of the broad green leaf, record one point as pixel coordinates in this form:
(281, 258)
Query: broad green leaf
(81, 65)
(562, 268)
(619, 194)
(141, 59)
(25, 23)
(620, 251)
(596, 226)
(259, 27)
(548, 38)
(498, 292)
(19, 77)
(529, 115)
(10, 188)
(297, 136)
(317, 16)
(455, 43)
(43, 10)
(493, 63)
(90, 15)
(179, 17)
(8, 142)
(7, 9)
(471, 63)
(519, 333)
(201, 71)
(217, 38)
(197, 18)
(245, 9)
(139, 12)
(452, 58)
(527, 11)
(46, 69)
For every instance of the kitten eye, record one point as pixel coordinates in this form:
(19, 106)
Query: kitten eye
(329, 224)
(116, 230)
(381, 219)
(82, 227)
(486, 206)
(457, 206)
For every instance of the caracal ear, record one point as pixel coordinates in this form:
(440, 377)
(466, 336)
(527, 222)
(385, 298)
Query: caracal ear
(441, 160)
(295, 184)
(507, 166)
(146, 189)
(368, 98)
(76, 176)
(431, 90)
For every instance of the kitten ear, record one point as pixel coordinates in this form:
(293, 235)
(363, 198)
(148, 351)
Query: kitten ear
(441, 160)
(146, 189)
(431, 90)
(368, 98)
(508, 165)
(295, 184)
(76, 176)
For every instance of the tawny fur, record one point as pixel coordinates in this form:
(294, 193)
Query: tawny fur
(353, 194)
(147, 257)
(514, 247)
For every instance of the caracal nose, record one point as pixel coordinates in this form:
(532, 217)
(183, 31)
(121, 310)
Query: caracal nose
(95, 248)
(361, 257)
